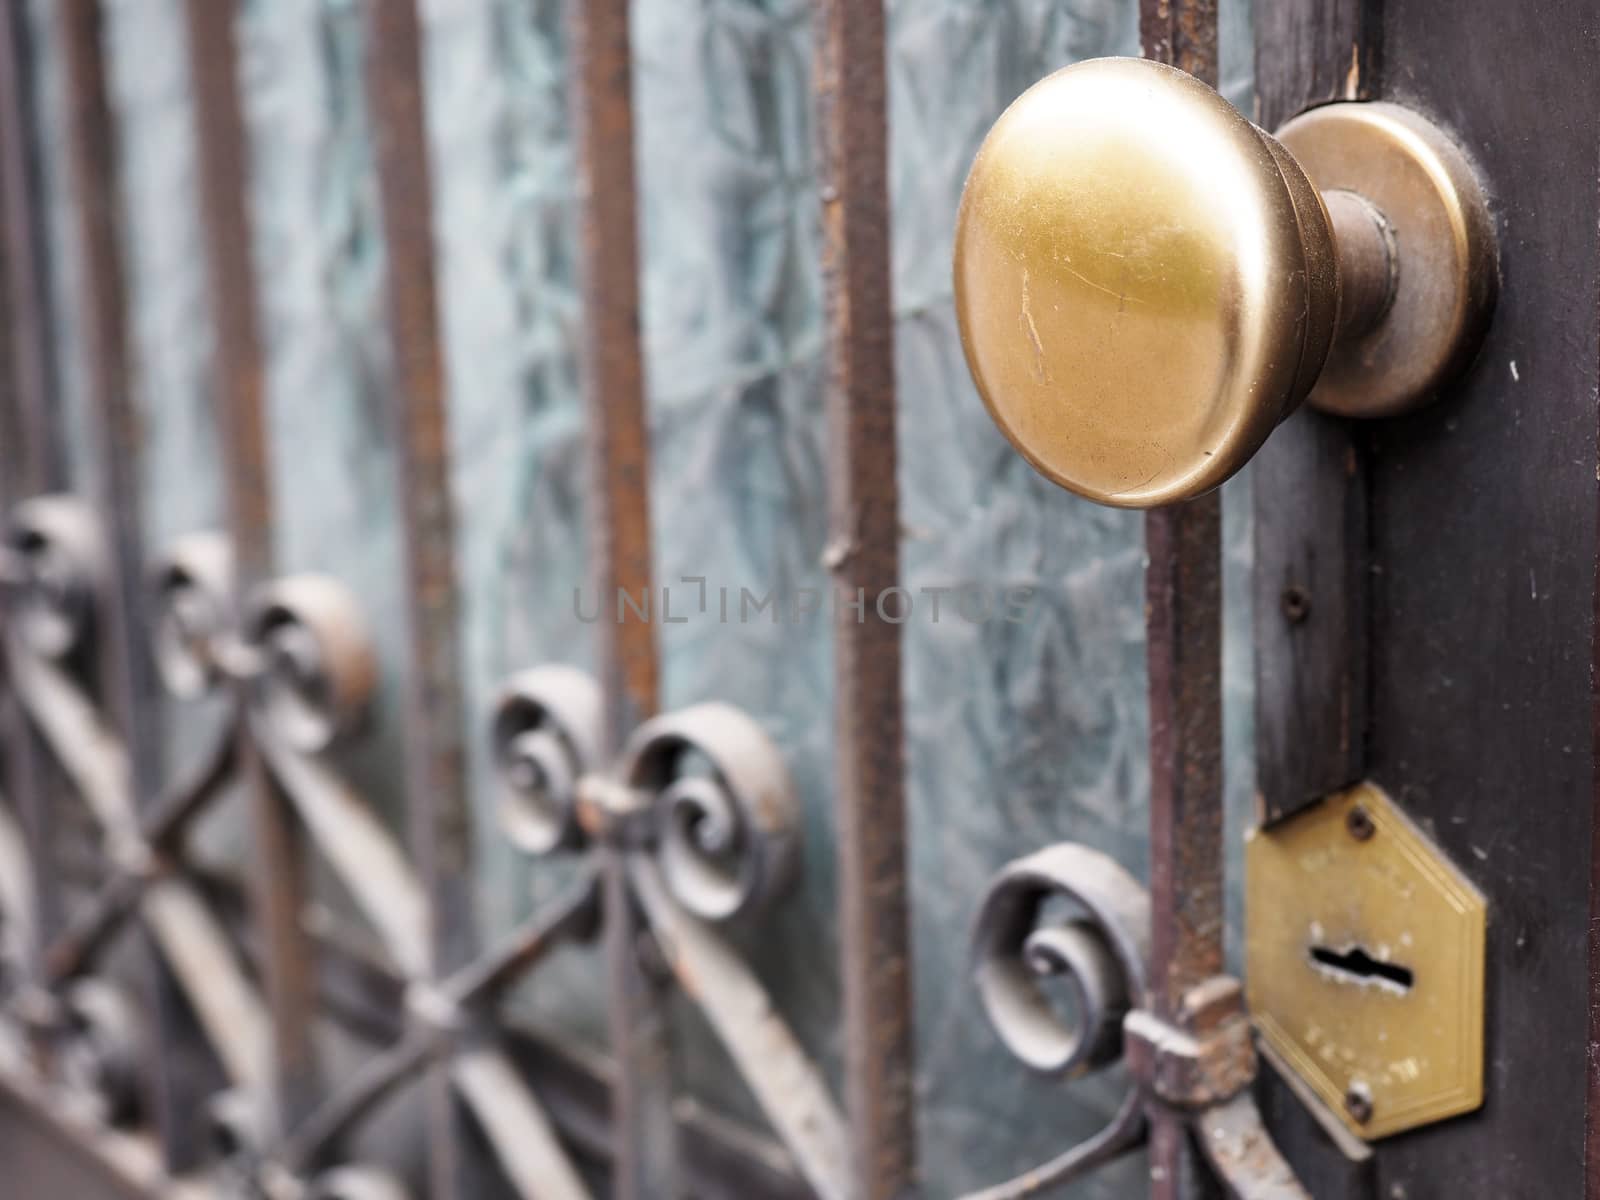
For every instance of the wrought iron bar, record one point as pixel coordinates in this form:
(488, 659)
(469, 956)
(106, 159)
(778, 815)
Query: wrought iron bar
(34, 463)
(1183, 604)
(435, 722)
(128, 678)
(618, 468)
(863, 556)
(437, 797)
(238, 381)
(1195, 1084)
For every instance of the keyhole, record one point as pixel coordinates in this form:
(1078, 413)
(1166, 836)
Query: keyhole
(1355, 965)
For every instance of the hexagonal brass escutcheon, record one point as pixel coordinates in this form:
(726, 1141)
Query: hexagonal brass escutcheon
(1364, 950)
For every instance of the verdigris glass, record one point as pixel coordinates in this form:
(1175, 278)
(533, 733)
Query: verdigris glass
(1018, 733)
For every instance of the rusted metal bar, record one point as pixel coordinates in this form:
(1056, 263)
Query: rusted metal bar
(438, 802)
(238, 381)
(127, 675)
(1183, 626)
(1183, 600)
(1182, 33)
(863, 556)
(1183, 594)
(33, 460)
(618, 465)
(435, 721)
(613, 360)
(128, 678)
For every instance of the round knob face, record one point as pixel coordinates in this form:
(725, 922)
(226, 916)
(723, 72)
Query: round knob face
(1145, 282)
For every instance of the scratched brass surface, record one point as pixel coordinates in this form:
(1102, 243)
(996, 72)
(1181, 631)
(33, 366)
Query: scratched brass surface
(1145, 284)
(1414, 1054)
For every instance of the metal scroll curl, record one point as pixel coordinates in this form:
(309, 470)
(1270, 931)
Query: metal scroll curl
(723, 805)
(318, 668)
(55, 564)
(1059, 950)
(545, 735)
(193, 593)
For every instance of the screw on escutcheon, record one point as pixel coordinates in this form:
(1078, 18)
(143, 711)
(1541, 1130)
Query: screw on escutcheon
(1359, 822)
(1358, 1103)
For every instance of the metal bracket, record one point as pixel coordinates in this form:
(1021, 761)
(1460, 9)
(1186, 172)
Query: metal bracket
(1207, 1059)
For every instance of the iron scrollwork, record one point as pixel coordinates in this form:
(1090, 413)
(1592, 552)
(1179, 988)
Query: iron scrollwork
(698, 802)
(701, 805)
(545, 734)
(306, 659)
(1070, 917)
(56, 570)
(299, 669)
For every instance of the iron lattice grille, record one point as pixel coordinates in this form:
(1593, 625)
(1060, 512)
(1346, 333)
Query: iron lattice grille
(686, 819)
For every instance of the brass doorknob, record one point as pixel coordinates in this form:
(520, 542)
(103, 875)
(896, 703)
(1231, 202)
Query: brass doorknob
(1147, 283)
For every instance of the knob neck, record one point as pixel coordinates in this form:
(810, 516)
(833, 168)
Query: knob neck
(1364, 247)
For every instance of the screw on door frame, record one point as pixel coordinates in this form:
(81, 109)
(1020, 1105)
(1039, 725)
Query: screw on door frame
(1296, 603)
(1359, 822)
